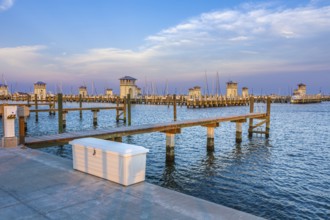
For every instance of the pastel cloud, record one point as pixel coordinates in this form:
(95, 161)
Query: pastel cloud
(6, 4)
(247, 40)
(228, 40)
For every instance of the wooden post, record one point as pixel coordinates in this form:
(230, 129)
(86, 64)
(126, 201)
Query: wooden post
(21, 123)
(95, 116)
(25, 124)
(124, 109)
(174, 106)
(36, 105)
(80, 106)
(170, 137)
(170, 147)
(117, 109)
(210, 139)
(129, 108)
(50, 108)
(238, 132)
(268, 117)
(210, 135)
(64, 119)
(251, 119)
(60, 112)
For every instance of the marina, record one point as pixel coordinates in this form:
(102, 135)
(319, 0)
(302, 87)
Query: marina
(165, 110)
(246, 165)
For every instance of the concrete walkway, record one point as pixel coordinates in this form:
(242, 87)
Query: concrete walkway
(36, 185)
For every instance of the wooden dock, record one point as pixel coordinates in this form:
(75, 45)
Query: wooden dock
(64, 138)
(170, 129)
(205, 101)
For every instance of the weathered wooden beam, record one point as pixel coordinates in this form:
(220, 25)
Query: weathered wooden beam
(259, 124)
(214, 125)
(172, 131)
(239, 121)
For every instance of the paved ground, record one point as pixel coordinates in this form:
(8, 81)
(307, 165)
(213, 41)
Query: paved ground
(36, 185)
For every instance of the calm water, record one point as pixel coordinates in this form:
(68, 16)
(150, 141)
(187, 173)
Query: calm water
(284, 177)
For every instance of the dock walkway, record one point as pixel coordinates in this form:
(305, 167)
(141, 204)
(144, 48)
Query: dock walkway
(36, 185)
(63, 138)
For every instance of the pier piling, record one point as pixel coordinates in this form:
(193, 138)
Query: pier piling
(170, 146)
(80, 106)
(210, 136)
(64, 119)
(238, 132)
(60, 112)
(174, 106)
(129, 108)
(36, 106)
(125, 101)
(95, 116)
(268, 117)
(21, 125)
(251, 119)
(170, 137)
(25, 124)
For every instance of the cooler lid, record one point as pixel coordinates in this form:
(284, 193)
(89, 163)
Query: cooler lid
(110, 146)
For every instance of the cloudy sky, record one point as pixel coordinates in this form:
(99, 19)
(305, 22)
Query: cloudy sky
(268, 46)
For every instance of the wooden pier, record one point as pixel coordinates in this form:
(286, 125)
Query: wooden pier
(170, 129)
(206, 101)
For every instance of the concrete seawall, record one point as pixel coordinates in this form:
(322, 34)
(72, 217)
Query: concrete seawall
(37, 185)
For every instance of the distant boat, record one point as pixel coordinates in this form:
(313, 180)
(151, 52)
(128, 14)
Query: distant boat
(306, 99)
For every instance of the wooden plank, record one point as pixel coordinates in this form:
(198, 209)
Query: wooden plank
(212, 125)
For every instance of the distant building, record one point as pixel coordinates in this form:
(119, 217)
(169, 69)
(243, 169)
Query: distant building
(40, 90)
(83, 91)
(108, 92)
(195, 92)
(245, 92)
(4, 90)
(127, 86)
(231, 89)
(301, 90)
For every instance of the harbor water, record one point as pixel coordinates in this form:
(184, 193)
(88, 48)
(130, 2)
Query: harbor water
(284, 177)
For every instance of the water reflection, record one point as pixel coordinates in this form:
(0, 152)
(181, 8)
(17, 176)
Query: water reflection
(169, 178)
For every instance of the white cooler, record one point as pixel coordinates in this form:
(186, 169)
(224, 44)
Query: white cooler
(118, 162)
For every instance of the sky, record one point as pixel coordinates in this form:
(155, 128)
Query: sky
(267, 46)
